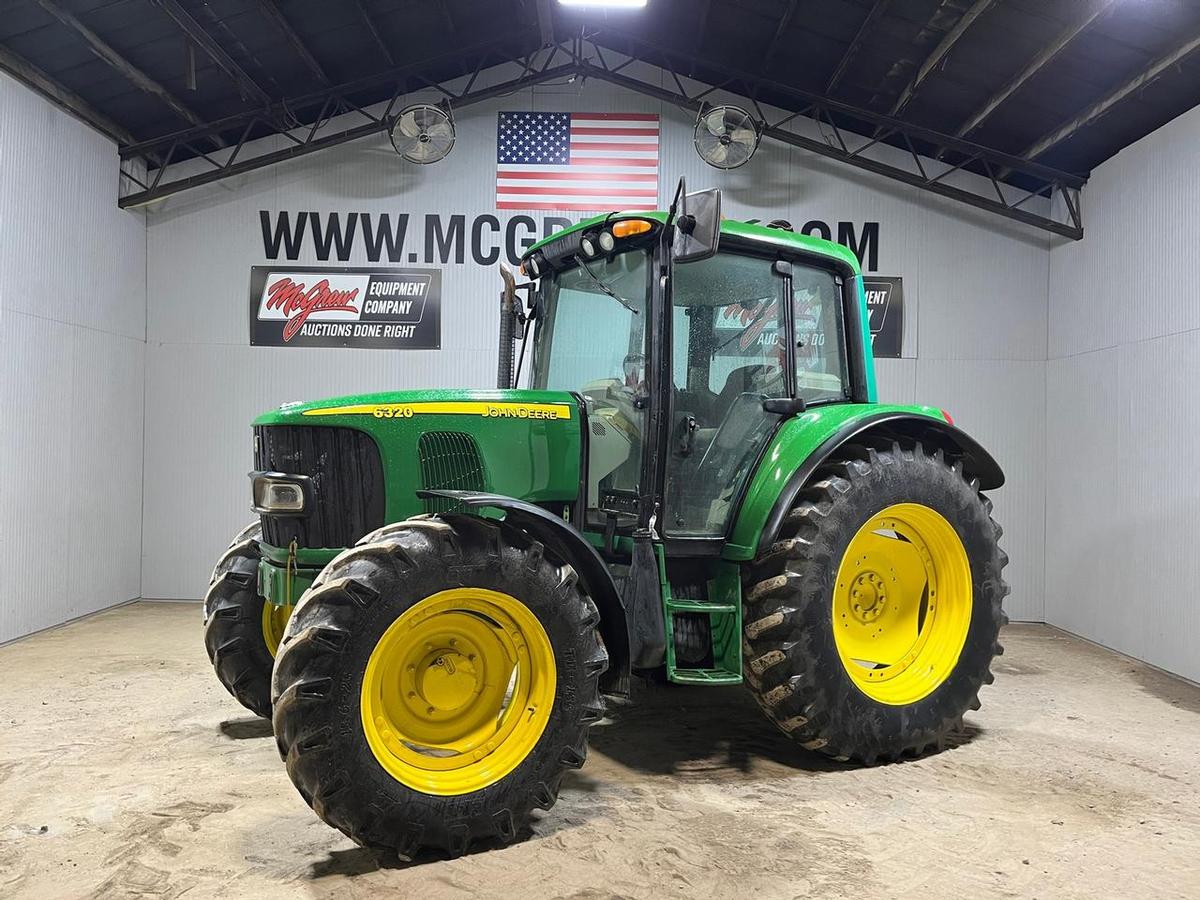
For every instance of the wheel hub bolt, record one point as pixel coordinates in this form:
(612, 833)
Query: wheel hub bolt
(867, 596)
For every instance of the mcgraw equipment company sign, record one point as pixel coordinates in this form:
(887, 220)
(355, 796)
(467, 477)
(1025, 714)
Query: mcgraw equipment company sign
(380, 308)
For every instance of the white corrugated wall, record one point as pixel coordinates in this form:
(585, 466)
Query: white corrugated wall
(1123, 405)
(72, 358)
(975, 288)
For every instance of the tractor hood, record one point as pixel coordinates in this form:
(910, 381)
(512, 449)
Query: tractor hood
(523, 444)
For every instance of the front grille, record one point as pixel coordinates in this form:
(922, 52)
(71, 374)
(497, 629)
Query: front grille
(450, 460)
(347, 480)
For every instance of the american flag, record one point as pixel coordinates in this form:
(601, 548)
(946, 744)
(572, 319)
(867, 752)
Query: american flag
(591, 162)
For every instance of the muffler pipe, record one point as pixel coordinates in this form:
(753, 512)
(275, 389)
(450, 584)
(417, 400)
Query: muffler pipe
(508, 296)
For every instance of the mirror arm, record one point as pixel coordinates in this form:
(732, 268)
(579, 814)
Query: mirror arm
(680, 192)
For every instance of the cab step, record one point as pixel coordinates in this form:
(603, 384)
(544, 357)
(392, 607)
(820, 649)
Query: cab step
(723, 609)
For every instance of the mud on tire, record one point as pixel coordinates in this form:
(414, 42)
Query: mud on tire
(792, 665)
(320, 666)
(233, 616)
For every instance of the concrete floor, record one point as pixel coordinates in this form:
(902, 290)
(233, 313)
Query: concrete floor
(126, 771)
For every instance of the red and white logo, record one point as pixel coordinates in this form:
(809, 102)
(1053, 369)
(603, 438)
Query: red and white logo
(296, 298)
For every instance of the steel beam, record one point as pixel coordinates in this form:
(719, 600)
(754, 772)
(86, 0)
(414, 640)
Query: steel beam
(705, 7)
(545, 21)
(1048, 181)
(29, 74)
(216, 25)
(852, 50)
(157, 190)
(290, 106)
(106, 52)
(1047, 55)
(747, 83)
(915, 179)
(369, 21)
(785, 22)
(246, 85)
(945, 45)
(584, 57)
(1171, 58)
(272, 11)
(448, 16)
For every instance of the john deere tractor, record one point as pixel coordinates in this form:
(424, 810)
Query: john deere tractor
(697, 485)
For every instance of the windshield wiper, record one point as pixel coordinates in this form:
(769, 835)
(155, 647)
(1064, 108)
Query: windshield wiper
(604, 287)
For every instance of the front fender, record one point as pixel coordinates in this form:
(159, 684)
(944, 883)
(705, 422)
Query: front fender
(805, 442)
(568, 545)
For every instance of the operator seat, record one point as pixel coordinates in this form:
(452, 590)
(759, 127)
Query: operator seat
(758, 378)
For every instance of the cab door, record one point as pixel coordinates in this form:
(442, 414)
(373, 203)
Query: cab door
(730, 327)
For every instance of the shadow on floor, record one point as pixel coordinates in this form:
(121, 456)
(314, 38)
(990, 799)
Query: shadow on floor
(358, 861)
(350, 863)
(718, 732)
(247, 728)
(677, 729)
(694, 734)
(1166, 687)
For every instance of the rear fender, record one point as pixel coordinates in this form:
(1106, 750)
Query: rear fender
(568, 545)
(934, 434)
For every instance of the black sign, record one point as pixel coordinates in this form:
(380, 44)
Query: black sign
(885, 306)
(383, 309)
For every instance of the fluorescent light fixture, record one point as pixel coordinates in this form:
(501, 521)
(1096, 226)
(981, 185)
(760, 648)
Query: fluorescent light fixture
(608, 4)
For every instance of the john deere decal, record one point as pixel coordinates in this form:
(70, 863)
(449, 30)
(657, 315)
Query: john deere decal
(384, 309)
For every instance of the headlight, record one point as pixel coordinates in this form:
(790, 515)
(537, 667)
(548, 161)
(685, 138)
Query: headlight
(278, 494)
(606, 241)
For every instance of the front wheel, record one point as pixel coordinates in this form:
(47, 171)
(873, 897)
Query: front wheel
(872, 623)
(436, 683)
(241, 629)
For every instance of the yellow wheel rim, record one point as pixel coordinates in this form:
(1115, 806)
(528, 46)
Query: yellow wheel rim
(902, 604)
(458, 691)
(274, 620)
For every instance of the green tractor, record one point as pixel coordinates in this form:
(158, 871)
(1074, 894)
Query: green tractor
(697, 486)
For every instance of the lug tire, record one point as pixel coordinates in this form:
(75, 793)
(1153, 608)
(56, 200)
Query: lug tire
(233, 632)
(320, 667)
(792, 665)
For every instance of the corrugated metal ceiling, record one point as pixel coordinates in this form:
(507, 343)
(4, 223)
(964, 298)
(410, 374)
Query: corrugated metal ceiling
(878, 48)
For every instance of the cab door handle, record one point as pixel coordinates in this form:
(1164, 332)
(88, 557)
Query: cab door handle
(687, 441)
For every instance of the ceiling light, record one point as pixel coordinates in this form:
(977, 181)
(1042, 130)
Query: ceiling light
(610, 4)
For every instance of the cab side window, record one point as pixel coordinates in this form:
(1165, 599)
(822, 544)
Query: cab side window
(820, 355)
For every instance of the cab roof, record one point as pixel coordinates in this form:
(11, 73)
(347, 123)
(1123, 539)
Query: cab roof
(748, 232)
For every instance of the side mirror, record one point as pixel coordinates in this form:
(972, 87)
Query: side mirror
(697, 226)
(784, 406)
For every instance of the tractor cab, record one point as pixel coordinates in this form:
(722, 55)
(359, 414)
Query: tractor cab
(743, 336)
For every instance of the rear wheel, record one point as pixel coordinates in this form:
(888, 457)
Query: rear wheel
(436, 683)
(241, 629)
(872, 623)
